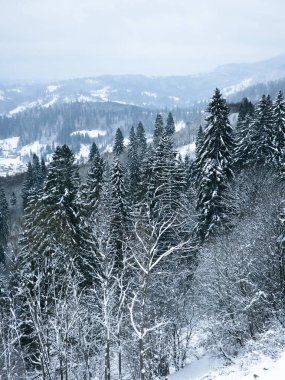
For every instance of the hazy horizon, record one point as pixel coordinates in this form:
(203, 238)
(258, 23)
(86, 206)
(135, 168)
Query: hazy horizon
(57, 40)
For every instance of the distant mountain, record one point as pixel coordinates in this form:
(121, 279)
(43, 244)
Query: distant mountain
(255, 92)
(143, 91)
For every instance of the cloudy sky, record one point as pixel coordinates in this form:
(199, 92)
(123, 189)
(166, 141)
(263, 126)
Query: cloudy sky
(58, 39)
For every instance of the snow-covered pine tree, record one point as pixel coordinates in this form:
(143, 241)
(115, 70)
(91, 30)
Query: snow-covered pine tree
(243, 151)
(92, 189)
(279, 131)
(158, 130)
(118, 147)
(28, 185)
(170, 125)
(133, 167)
(166, 192)
(38, 175)
(199, 140)
(13, 199)
(246, 108)
(4, 224)
(43, 168)
(93, 151)
(119, 219)
(214, 168)
(141, 141)
(33, 185)
(263, 149)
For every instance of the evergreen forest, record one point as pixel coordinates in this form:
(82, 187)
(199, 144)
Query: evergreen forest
(116, 271)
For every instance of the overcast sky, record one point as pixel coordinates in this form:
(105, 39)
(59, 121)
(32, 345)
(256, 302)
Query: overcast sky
(59, 39)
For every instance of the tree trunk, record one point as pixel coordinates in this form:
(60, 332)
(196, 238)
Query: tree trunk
(142, 369)
(120, 360)
(107, 361)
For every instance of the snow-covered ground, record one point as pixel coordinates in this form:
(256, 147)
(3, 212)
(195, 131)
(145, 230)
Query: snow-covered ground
(11, 165)
(35, 147)
(94, 133)
(211, 368)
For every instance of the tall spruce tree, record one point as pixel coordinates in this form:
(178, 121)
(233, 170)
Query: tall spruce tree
(4, 224)
(91, 191)
(118, 143)
(170, 125)
(133, 167)
(244, 146)
(28, 185)
(214, 165)
(119, 220)
(262, 129)
(279, 131)
(199, 140)
(141, 141)
(158, 130)
(93, 151)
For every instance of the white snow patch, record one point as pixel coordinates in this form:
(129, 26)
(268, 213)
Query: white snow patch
(212, 368)
(180, 125)
(11, 165)
(120, 102)
(175, 98)
(94, 133)
(35, 147)
(83, 99)
(237, 87)
(83, 152)
(9, 145)
(52, 88)
(150, 94)
(233, 117)
(198, 369)
(51, 102)
(23, 107)
(102, 93)
(188, 149)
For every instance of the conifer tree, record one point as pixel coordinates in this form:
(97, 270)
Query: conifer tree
(118, 143)
(158, 130)
(141, 141)
(244, 146)
(214, 165)
(166, 190)
(279, 130)
(4, 224)
(28, 185)
(133, 167)
(263, 149)
(43, 169)
(91, 191)
(13, 199)
(38, 177)
(93, 151)
(199, 140)
(246, 108)
(119, 219)
(170, 125)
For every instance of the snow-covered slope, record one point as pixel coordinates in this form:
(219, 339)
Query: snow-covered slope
(211, 368)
